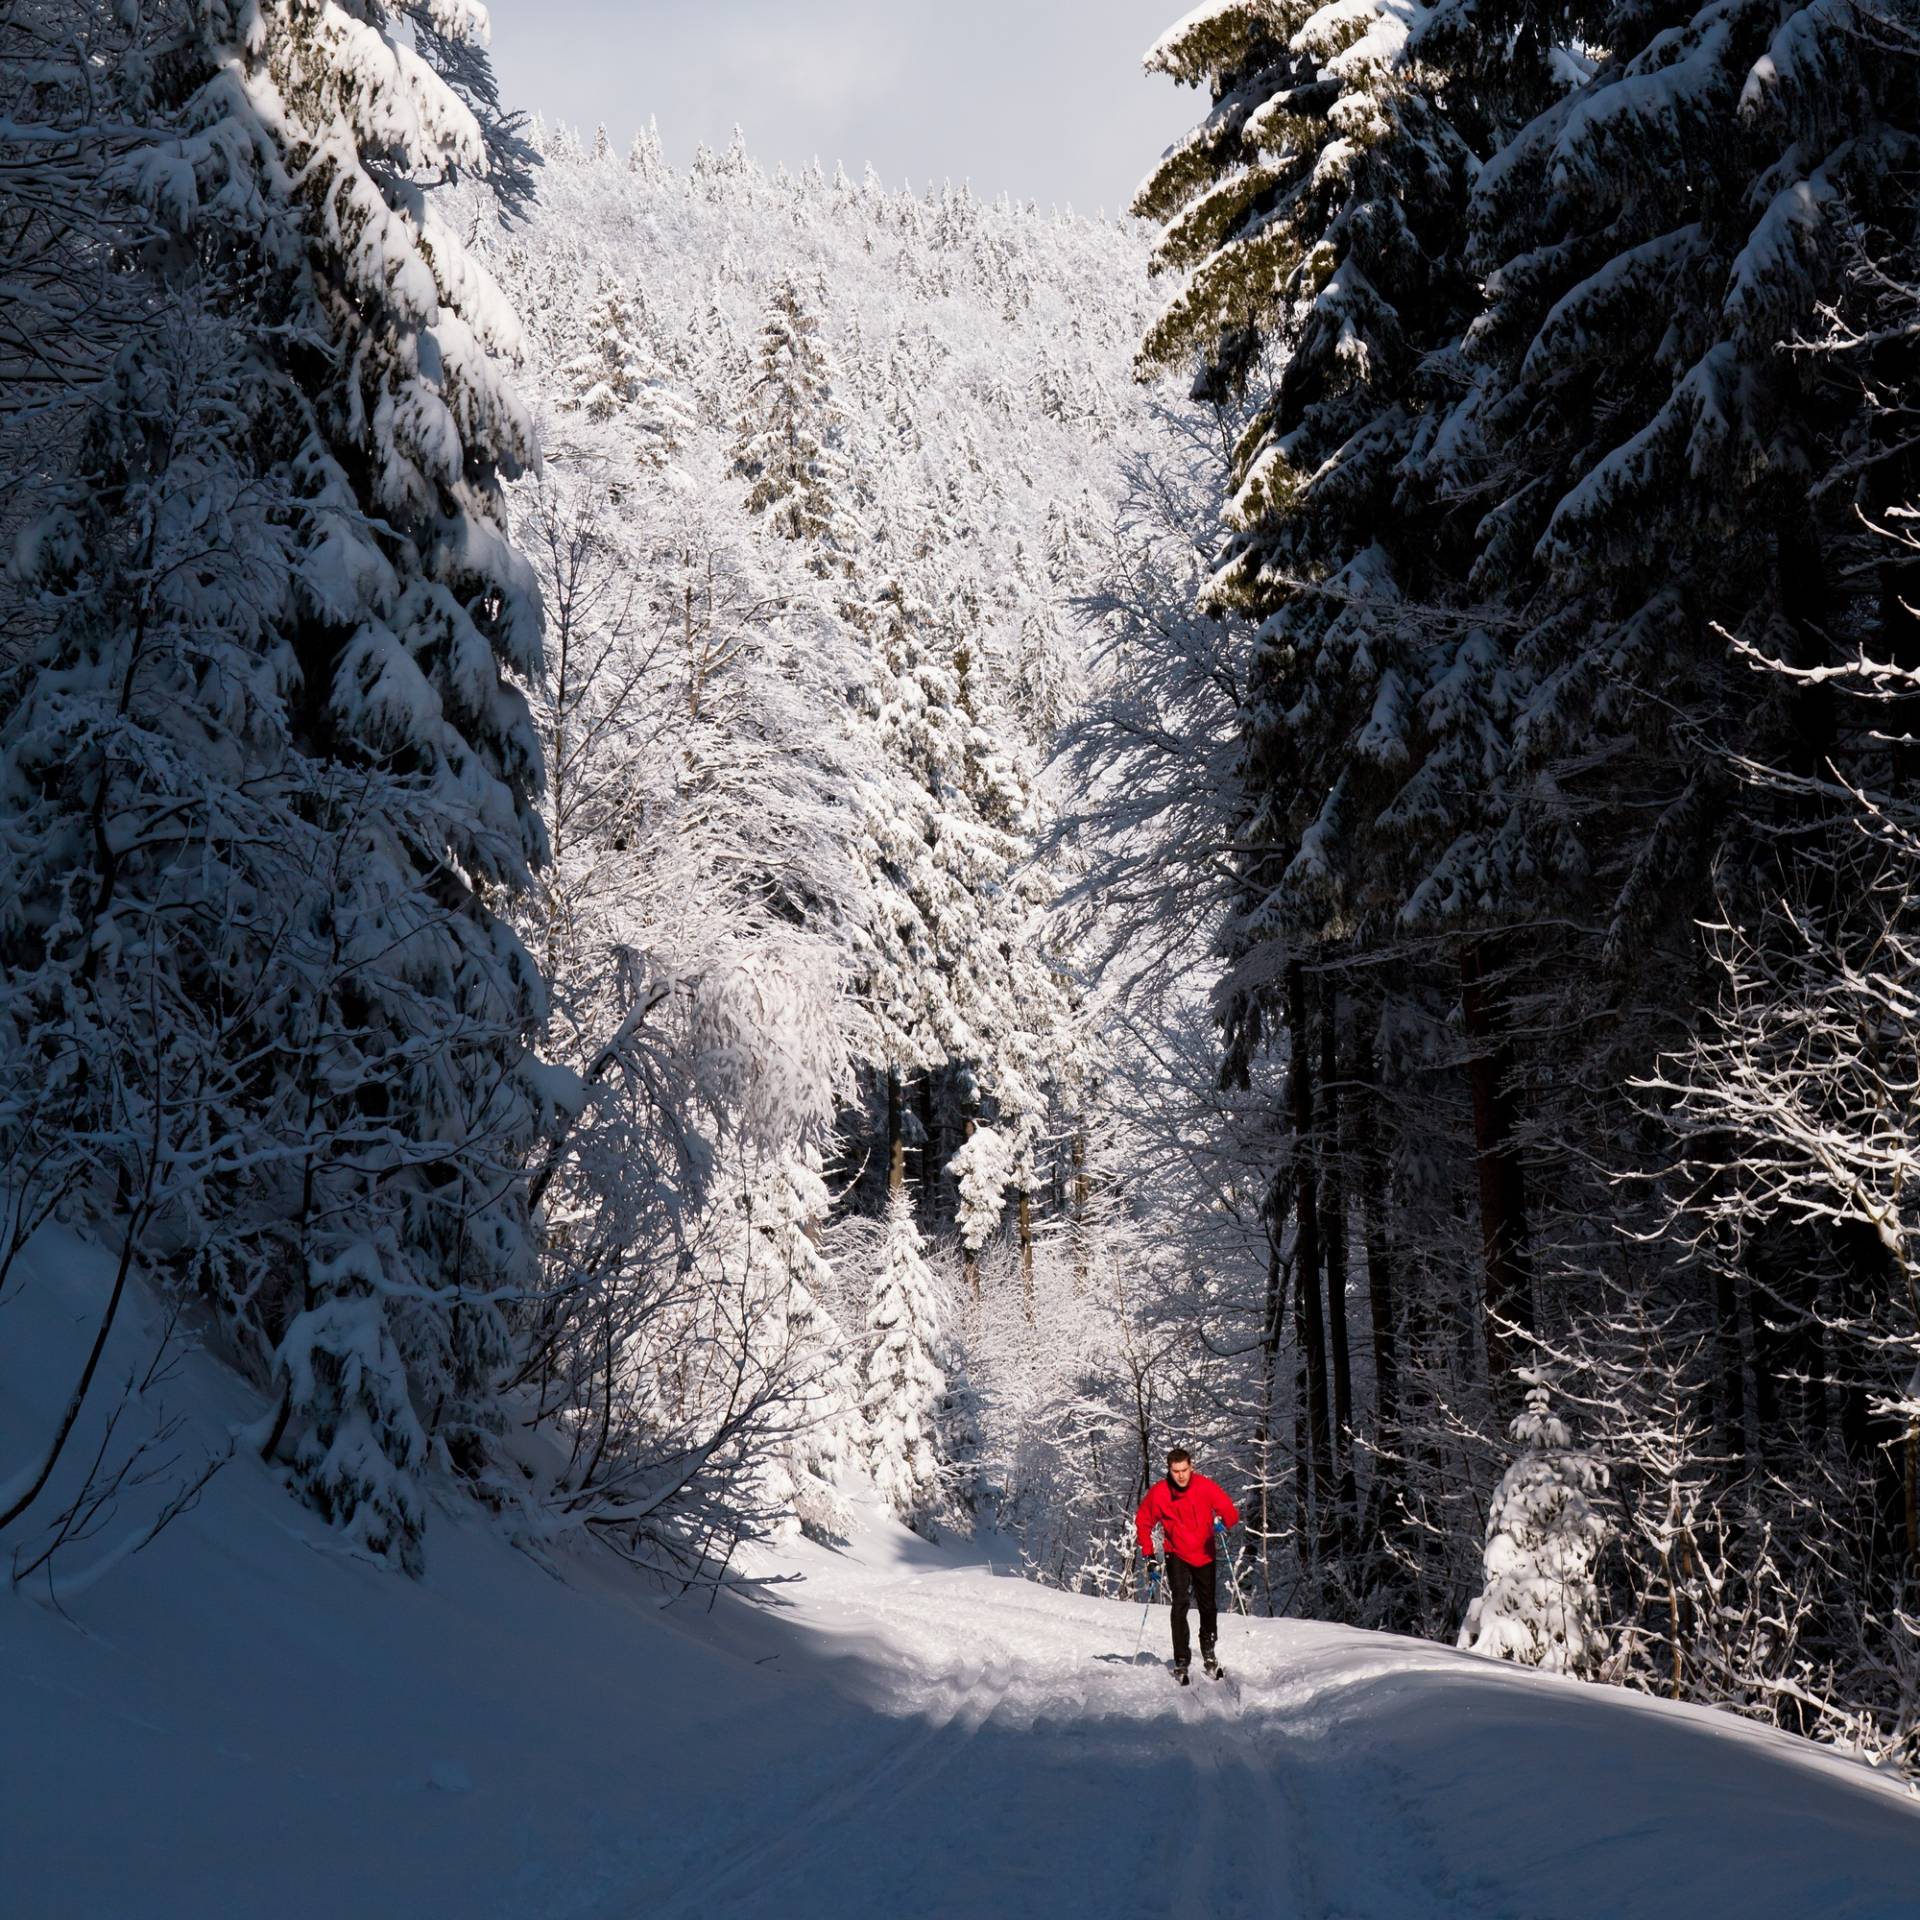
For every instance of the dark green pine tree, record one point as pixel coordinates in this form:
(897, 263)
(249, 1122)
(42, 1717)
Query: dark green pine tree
(1318, 212)
(1641, 439)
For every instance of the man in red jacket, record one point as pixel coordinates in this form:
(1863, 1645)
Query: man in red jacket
(1183, 1506)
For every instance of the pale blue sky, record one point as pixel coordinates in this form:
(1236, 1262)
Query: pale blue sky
(1043, 99)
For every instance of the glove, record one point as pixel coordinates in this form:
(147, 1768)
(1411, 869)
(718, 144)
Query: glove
(1153, 1570)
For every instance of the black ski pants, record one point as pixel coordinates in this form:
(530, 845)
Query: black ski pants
(1187, 1583)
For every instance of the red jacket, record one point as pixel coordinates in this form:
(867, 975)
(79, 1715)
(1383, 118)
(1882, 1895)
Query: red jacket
(1186, 1517)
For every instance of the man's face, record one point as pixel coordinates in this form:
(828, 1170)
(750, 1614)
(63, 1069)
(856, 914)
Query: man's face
(1180, 1472)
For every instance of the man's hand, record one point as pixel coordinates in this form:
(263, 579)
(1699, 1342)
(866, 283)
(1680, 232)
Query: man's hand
(1153, 1570)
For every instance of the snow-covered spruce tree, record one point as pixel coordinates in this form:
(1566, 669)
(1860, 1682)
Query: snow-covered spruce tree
(1318, 213)
(1039, 1053)
(267, 767)
(809, 1450)
(931, 869)
(1541, 1605)
(901, 1382)
(787, 450)
(1643, 436)
(954, 972)
(617, 379)
(983, 1166)
(453, 40)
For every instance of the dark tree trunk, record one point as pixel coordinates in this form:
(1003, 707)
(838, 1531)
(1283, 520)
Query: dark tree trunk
(930, 1156)
(1081, 1202)
(1899, 594)
(1023, 1209)
(1764, 1329)
(1890, 484)
(1790, 1350)
(1808, 1348)
(1306, 1243)
(1873, 1443)
(1272, 1329)
(1508, 1297)
(969, 1120)
(896, 1136)
(1806, 601)
(1380, 1282)
(1333, 1225)
(1302, 1457)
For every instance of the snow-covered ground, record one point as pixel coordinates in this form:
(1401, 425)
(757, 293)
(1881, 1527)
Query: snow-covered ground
(244, 1721)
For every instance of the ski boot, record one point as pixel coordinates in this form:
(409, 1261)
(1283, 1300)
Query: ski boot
(1215, 1671)
(1180, 1673)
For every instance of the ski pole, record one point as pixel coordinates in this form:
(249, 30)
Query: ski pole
(1224, 1550)
(1233, 1571)
(1153, 1587)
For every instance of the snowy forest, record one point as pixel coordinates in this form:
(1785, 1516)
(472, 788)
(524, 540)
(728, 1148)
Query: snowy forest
(681, 844)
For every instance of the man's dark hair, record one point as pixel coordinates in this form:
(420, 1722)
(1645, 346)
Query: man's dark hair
(1176, 1456)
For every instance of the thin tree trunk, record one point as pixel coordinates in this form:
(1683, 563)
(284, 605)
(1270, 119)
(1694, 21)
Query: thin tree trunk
(1730, 1369)
(929, 1155)
(896, 1139)
(1272, 1325)
(1333, 1225)
(1764, 1313)
(1023, 1212)
(970, 1101)
(1790, 1348)
(1807, 1344)
(1302, 1457)
(1889, 484)
(1306, 1243)
(1143, 1418)
(1380, 1280)
(135, 1225)
(1081, 1201)
(1508, 1296)
(1913, 1496)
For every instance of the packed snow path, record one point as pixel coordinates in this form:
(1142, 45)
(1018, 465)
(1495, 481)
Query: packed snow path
(887, 1733)
(1039, 1768)
(246, 1722)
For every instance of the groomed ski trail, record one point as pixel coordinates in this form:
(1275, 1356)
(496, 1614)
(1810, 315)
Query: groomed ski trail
(1034, 1767)
(1041, 1769)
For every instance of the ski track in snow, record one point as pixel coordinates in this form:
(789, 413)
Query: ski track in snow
(1007, 1664)
(816, 1834)
(248, 1723)
(1041, 1769)
(1205, 1782)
